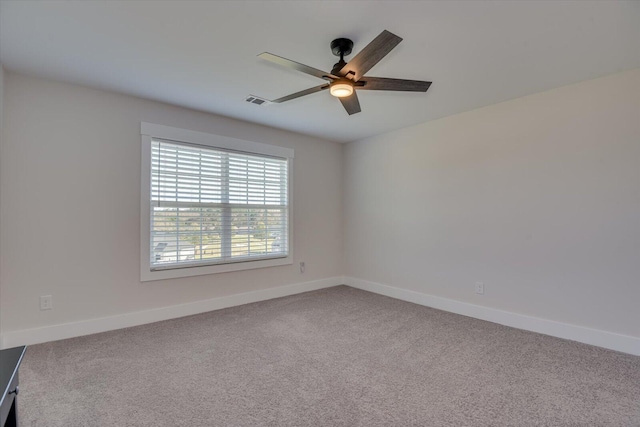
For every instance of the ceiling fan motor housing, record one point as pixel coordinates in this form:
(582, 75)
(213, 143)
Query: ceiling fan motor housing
(337, 67)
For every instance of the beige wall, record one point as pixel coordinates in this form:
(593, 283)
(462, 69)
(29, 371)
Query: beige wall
(539, 198)
(70, 205)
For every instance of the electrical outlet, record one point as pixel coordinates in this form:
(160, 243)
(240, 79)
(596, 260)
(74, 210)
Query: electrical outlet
(479, 288)
(301, 267)
(46, 302)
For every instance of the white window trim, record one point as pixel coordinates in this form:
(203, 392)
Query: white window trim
(149, 131)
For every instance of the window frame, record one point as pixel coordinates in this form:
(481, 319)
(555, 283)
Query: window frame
(149, 131)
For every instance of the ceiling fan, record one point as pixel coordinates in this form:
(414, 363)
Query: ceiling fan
(347, 77)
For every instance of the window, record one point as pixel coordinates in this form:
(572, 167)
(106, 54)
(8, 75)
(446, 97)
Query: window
(212, 204)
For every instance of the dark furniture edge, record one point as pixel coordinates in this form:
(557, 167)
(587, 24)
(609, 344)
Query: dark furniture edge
(13, 375)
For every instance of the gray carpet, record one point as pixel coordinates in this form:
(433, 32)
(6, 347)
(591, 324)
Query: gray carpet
(334, 357)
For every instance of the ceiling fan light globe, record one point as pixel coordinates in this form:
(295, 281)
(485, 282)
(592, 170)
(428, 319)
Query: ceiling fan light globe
(341, 90)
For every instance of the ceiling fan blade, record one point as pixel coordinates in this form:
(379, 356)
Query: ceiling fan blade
(370, 55)
(351, 103)
(301, 93)
(297, 66)
(382, 83)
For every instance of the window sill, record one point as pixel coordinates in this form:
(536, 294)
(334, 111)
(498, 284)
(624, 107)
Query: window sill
(147, 275)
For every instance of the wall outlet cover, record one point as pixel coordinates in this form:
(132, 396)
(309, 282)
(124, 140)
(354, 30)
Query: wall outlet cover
(46, 302)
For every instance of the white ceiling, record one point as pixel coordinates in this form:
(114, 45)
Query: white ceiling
(202, 55)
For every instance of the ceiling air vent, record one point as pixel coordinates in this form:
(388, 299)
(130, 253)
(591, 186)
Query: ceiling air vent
(257, 100)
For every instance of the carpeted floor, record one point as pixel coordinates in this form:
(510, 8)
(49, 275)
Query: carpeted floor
(334, 357)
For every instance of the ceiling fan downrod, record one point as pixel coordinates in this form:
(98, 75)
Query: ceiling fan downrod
(340, 47)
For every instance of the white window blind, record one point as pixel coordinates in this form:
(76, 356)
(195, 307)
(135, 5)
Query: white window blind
(213, 206)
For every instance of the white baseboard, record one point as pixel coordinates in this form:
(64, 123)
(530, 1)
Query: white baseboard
(75, 329)
(610, 340)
